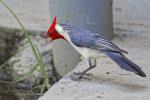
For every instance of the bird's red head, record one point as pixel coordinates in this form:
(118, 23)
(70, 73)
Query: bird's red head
(52, 32)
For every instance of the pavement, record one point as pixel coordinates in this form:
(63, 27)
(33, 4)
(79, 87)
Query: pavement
(107, 81)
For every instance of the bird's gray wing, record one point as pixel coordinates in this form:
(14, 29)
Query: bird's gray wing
(83, 38)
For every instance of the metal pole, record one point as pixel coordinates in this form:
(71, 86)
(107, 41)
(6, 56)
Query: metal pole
(94, 15)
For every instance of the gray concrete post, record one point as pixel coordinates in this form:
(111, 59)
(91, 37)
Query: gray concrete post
(94, 15)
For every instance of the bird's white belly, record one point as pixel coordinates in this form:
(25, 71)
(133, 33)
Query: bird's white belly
(87, 52)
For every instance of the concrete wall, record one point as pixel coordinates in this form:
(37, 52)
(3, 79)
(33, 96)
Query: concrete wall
(95, 16)
(132, 17)
(33, 13)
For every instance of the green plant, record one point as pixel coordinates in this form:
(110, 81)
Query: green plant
(39, 61)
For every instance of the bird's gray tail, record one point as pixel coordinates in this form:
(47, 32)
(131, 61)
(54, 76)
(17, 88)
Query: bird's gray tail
(125, 63)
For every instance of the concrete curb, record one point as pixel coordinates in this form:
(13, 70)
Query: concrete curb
(107, 81)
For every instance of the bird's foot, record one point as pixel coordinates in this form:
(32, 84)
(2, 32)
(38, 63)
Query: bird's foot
(77, 76)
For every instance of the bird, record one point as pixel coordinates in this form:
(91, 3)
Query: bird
(90, 45)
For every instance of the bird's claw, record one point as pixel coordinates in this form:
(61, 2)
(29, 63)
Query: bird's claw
(76, 76)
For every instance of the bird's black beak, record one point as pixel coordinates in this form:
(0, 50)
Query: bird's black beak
(48, 40)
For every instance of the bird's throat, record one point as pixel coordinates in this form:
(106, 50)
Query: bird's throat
(63, 34)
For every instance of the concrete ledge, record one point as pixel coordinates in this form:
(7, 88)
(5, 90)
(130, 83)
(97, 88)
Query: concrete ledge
(107, 81)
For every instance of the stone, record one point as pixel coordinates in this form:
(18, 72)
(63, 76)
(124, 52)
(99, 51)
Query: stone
(9, 42)
(24, 58)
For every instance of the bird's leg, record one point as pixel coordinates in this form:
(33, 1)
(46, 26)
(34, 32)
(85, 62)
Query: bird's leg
(91, 66)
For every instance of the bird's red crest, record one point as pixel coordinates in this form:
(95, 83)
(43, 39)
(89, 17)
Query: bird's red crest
(52, 27)
(52, 33)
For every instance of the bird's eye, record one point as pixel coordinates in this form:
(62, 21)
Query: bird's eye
(49, 33)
